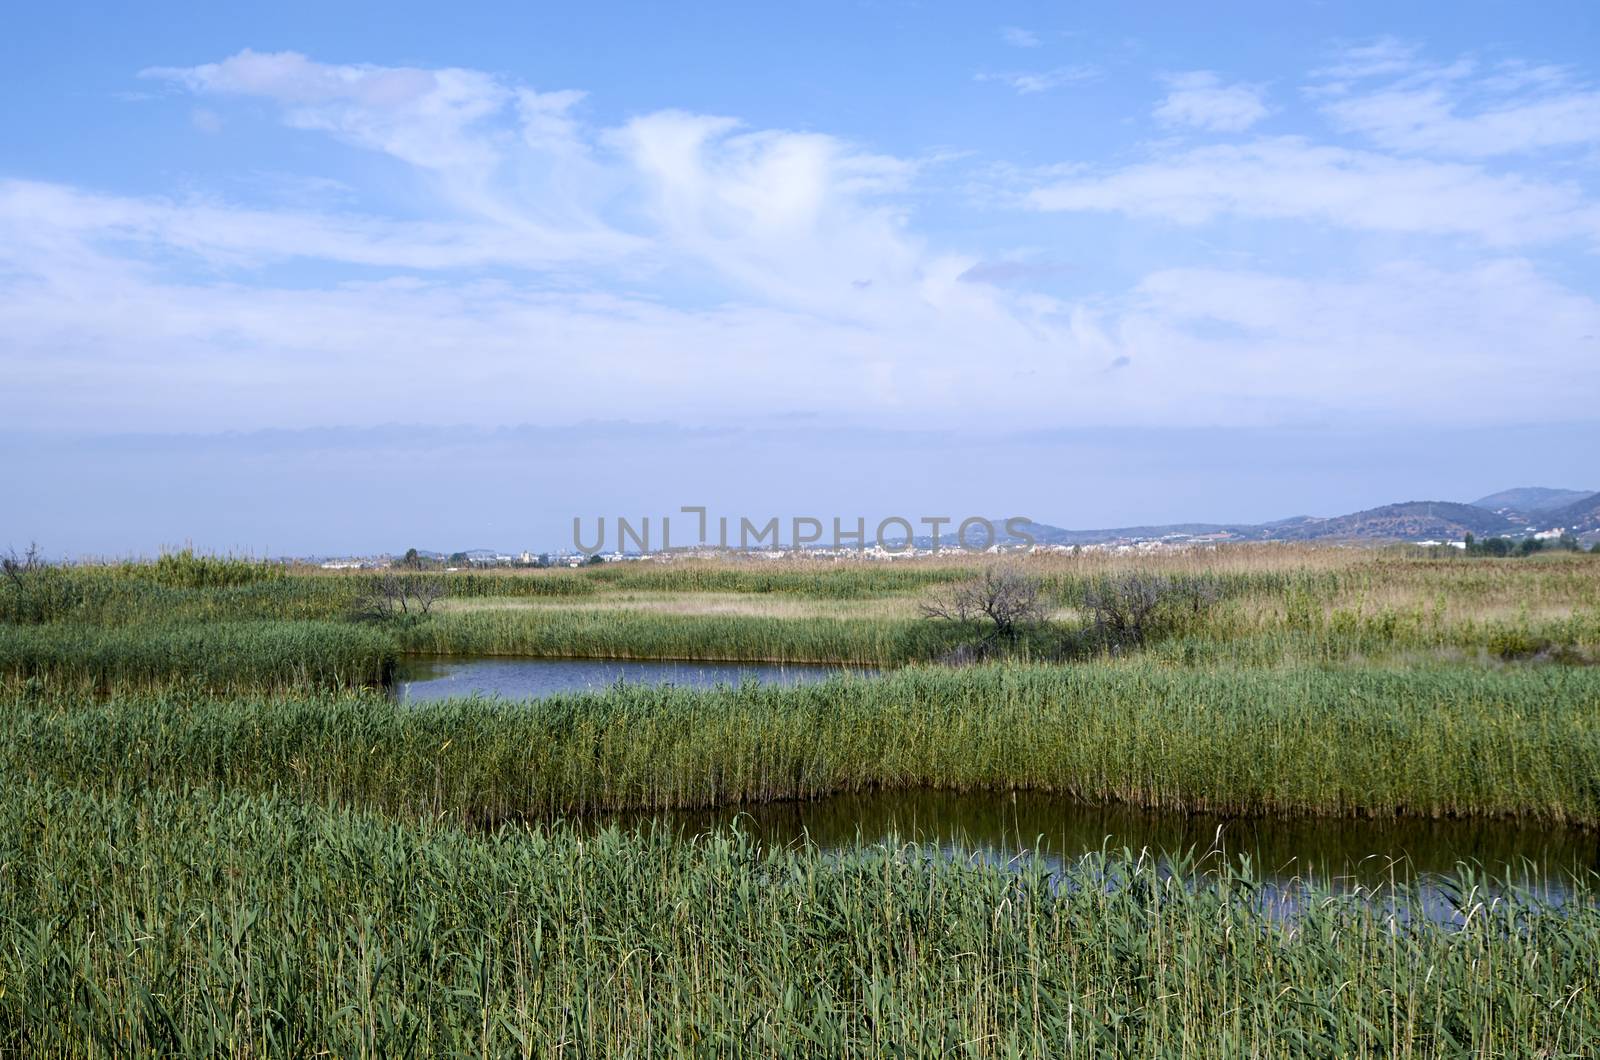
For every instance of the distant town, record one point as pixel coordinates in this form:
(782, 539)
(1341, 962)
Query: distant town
(1513, 522)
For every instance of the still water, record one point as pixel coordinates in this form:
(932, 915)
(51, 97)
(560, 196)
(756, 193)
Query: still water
(424, 679)
(1003, 827)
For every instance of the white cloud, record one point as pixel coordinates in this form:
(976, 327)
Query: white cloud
(473, 136)
(1028, 82)
(558, 270)
(1201, 99)
(1429, 121)
(1291, 178)
(425, 117)
(1018, 37)
(96, 337)
(1496, 337)
(1513, 110)
(1376, 58)
(796, 243)
(799, 216)
(224, 235)
(1387, 92)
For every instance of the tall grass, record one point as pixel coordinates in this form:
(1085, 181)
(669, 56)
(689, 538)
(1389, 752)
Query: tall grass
(1276, 605)
(1473, 743)
(215, 839)
(621, 634)
(227, 656)
(198, 924)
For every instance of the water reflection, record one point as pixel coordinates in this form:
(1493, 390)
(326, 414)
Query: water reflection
(1002, 827)
(424, 679)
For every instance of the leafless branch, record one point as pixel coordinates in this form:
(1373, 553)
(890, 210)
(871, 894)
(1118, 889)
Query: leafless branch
(393, 595)
(1003, 597)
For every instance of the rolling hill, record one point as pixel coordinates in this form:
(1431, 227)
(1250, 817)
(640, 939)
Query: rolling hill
(1582, 517)
(1530, 500)
(1407, 521)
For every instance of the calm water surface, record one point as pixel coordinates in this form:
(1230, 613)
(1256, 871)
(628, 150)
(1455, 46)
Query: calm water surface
(1293, 859)
(1002, 827)
(424, 679)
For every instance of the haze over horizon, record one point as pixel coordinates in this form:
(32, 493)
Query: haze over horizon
(390, 281)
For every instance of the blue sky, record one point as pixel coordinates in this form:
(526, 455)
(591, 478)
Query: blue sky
(300, 281)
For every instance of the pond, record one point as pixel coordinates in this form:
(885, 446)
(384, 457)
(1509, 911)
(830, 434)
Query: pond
(1001, 826)
(424, 679)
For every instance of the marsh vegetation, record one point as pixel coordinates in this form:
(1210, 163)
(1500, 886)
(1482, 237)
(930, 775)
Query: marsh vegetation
(219, 834)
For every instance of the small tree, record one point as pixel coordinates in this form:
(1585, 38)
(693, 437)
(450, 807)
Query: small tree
(1126, 608)
(396, 596)
(1121, 606)
(1003, 599)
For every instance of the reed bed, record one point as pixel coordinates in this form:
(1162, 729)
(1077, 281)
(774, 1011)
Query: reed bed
(1293, 629)
(1519, 744)
(1274, 605)
(1294, 633)
(240, 652)
(202, 924)
(225, 656)
(622, 634)
(218, 838)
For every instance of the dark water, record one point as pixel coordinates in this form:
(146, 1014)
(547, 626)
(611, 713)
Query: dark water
(1337, 854)
(1003, 827)
(424, 679)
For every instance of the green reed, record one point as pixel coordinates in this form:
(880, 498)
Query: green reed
(621, 634)
(218, 656)
(200, 923)
(1517, 743)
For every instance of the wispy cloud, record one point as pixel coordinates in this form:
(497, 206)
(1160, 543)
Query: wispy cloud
(1019, 38)
(689, 260)
(1201, 99)
(1291, 178)
(1461, 108)
(1028, 82)
(1018, 270)
(1375, 58)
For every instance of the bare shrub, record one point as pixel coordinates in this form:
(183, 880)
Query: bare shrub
(32, 591)
(397, 596)
(17, 568)
(1126, 608)
(1003, 599)
(1122, 606)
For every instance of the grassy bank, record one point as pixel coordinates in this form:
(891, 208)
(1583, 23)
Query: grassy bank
(216, 840)
(196, 924)
(621, 634)
(1266, 607)
(1467, 742)
(220, 656)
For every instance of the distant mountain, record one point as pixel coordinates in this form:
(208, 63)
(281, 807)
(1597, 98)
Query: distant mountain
(1530, 499)
(1409, 521)
(1581, 518)
(1045, 534)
